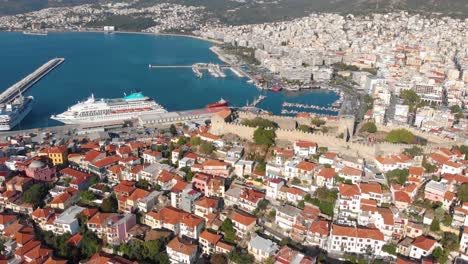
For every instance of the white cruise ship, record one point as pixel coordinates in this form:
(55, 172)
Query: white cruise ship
(12, 114)
(109, 110)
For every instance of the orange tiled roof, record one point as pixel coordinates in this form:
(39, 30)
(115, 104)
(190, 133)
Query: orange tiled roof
(402, 197)
(321, 227)
(371, 188)
(215, 163)
(207, 202)
(138, 194)
(106, 161)
(243, 219)
(327, 173)
(368, 233)
(191, 220)
(184, 248)
(351, 171)
(99, 218)
(424, 243)
(6, 218)
(305, 144)
(210, 237)
(349, 190)
(169, 215)
(92, 155)
(42, 212)
(416, 171)
(305, 165)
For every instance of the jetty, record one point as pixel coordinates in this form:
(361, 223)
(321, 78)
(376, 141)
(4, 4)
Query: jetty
(27, 82)
(256, 101)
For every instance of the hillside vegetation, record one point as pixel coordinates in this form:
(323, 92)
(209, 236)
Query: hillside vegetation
(254, 11)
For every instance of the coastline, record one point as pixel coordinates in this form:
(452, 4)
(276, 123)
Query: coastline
(186, 35)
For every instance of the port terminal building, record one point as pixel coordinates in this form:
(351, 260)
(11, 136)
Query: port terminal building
(198, 115)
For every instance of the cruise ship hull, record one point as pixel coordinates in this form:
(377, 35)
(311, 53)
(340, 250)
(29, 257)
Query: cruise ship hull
(14, 120)
(101, 119)
(109, 110)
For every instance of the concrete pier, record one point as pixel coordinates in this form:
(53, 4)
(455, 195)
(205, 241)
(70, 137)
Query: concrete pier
(22, 86)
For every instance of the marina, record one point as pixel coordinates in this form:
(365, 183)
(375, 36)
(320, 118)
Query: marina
(313, 107)
(215, 70)
(118, 70)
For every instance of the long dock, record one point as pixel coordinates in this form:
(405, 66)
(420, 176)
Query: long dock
(27, 82)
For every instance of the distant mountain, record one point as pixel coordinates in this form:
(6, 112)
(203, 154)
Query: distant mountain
(255, 11)
(11, 7)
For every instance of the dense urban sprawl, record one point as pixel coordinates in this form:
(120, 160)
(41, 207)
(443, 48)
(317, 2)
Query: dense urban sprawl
(390, 186)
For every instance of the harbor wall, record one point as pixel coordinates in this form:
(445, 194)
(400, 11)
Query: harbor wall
(427, 135)
(364, 150)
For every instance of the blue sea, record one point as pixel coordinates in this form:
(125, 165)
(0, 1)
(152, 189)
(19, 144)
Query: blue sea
(109, 65)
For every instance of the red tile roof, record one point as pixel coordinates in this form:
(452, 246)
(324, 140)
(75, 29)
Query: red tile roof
(210, 237)
(305, 165)
(243, 219)
(183, 248)
(346, 231)
(321, 227)
(74, 173)
(305, 144)
(348, 190)
(106, 161)
(327, 173)
(424, 243)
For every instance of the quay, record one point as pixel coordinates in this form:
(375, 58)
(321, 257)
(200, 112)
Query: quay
(23, 85)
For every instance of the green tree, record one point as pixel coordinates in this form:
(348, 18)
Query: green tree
(241, 257)
(36, 194)
(440, 255)
(264, 136)
(305, 128)
(2, 245)
(301, 204)
(450, 241)
(435, 226)
(369, 127)
(261, 166)
(272, 213)
(390, 249)
(218, 258)
(229, 232)
(270, 260)
(317, 121)
(455, 109)
(369, 101)
(414, 151)
(262, 204)
(400, 136)
(143, 184)
(296, 181)
(207, 148)
(259, 122)
(410, 98)
(110, 204)
(181, 141)
(195, 141)
(397, 176)
(463, 192)
(428, 167)
(173, 129)
(87, 197)
(464, 149)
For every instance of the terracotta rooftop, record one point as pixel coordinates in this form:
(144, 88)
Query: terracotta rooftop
(181, 247)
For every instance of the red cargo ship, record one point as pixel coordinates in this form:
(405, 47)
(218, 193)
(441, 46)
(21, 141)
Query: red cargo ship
(220, 103)
(275, 89)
